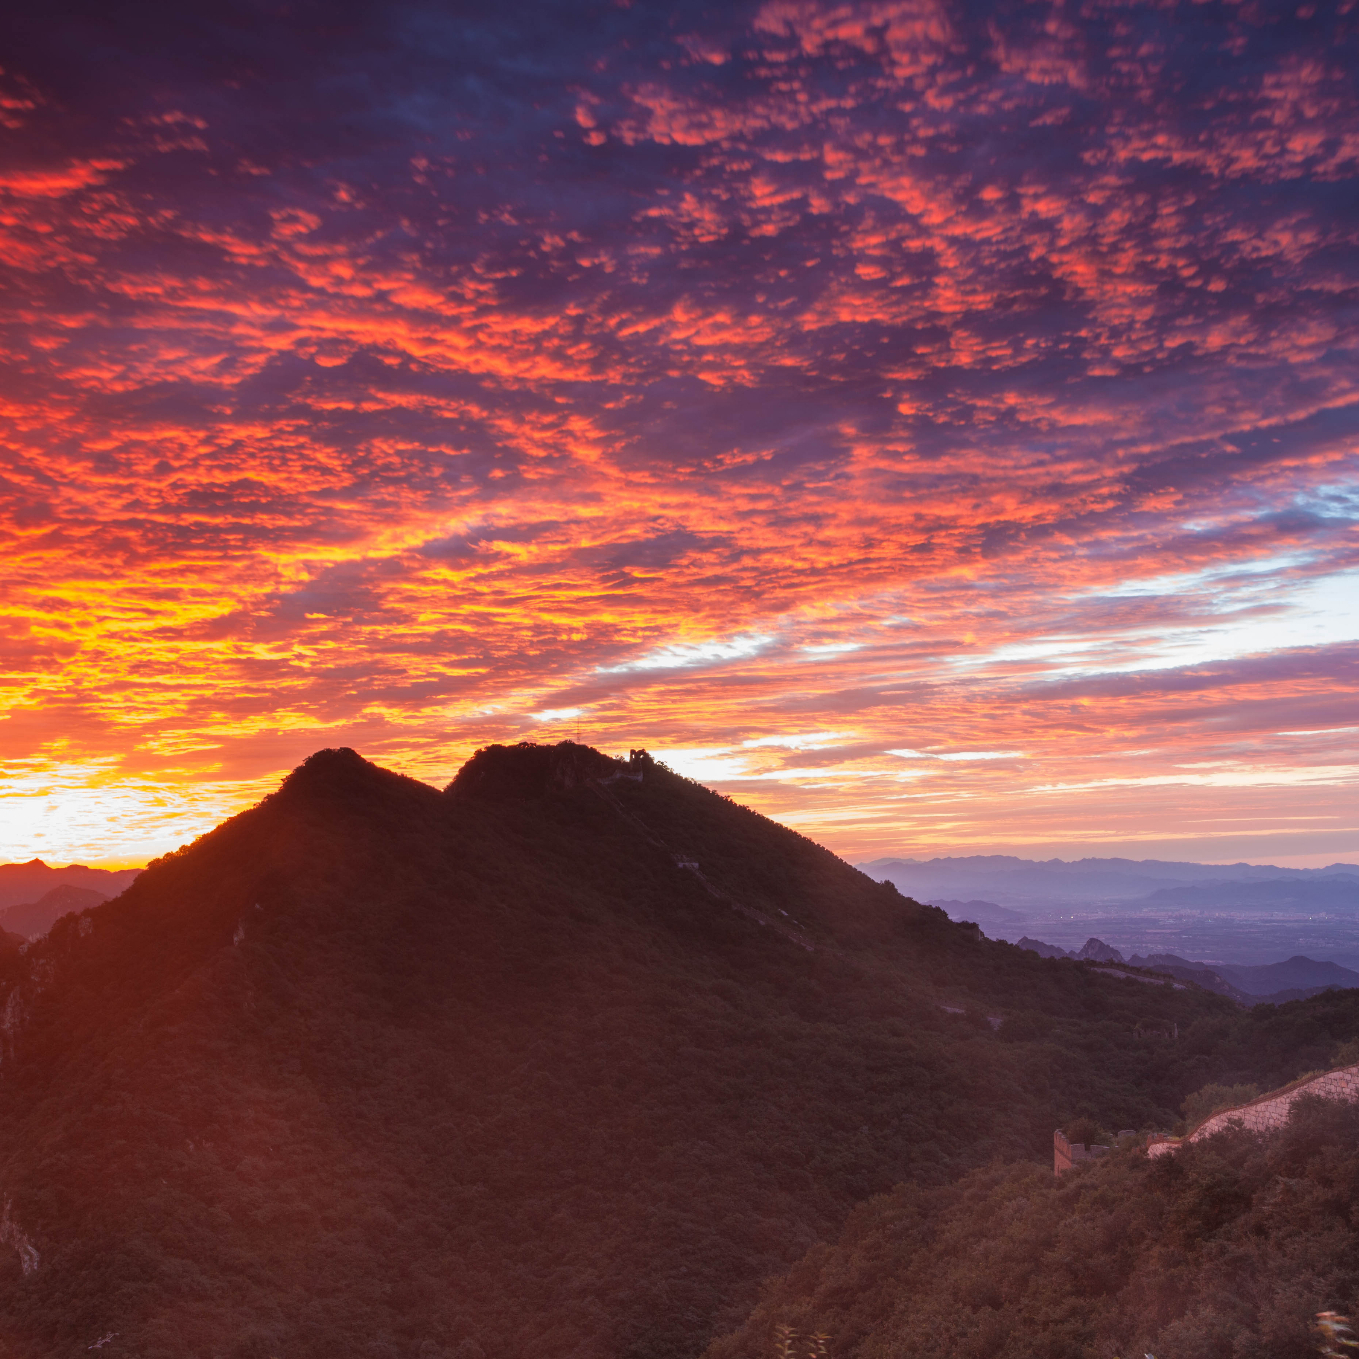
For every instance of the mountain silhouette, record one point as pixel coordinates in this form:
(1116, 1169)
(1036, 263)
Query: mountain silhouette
(1335, 892)
(32, 918)
(1149, 883)
(27, 882)
(561, 1060)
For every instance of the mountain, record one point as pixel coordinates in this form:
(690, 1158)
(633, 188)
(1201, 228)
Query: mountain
(1212, 977)
(32, 918)
(1021, 883)
(562, 1060)
(1095, 950)
(1041, 949)
(1271, 984)
(27, 882)
(1231, 1246)
(1268, 984)
(1337, 892)
(982, 912)
(1098, 951)
(1296, 971)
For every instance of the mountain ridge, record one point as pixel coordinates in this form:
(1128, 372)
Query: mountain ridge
(1001, 861)
(31, 918)
(1251, 920)
(377, 1067)
(25, 882)
(1149, 884)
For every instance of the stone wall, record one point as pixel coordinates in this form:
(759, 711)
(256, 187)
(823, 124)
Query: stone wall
(1065, 1154)
(1271, 1111)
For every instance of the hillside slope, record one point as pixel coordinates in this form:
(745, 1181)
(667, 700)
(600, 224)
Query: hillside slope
(1228, 1247)
(373, 1069)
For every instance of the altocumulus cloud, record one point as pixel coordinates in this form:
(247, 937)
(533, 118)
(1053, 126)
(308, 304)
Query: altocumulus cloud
(938, 377)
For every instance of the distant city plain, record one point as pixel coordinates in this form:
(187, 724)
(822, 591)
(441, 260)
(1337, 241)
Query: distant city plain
(1247, 914)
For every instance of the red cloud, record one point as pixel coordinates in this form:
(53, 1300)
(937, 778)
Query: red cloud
(870, 374)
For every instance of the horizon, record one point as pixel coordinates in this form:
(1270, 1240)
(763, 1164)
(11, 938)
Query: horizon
(931, 424)
(1226, 929)
(1313, 861)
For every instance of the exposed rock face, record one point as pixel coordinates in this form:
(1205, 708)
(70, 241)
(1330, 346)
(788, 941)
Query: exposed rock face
(12, 1014)
(1101, 952)
(11, 1235)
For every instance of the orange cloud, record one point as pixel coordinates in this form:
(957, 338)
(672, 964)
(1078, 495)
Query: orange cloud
(832, 380)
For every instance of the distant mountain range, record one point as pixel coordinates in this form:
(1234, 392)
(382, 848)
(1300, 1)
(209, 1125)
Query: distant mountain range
(1338, 892)
(34, 895)
(1026, 885)
(23, 883)
(33, 918)
(979, 912)
(1273, 983)
(1295, 979)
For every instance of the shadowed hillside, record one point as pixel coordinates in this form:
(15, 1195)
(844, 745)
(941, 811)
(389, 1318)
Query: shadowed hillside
(1227, 1247)
(562, 1060)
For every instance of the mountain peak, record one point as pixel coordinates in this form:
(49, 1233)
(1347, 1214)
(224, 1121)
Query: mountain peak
(334, 760)
(529, 769)
(1099, 951)
(342, 773)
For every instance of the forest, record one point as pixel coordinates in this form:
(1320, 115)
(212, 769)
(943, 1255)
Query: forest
(568, 1058)
(1230, 1247)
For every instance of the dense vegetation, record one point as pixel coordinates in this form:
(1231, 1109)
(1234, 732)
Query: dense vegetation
(373, 1069)
(1227, 1249)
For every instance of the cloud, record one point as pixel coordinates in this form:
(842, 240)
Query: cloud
(980, 377)
(691, 655)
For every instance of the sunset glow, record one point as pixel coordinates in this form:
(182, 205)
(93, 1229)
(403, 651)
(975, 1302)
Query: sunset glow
(934, 426)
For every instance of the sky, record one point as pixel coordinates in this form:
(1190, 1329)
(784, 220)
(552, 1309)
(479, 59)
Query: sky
(932, 424)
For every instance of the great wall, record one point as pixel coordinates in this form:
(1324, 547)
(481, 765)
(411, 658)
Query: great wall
(1271, 1110)
(1260, 1115)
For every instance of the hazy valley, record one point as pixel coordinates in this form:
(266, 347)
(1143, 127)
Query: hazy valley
(1238, 914)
